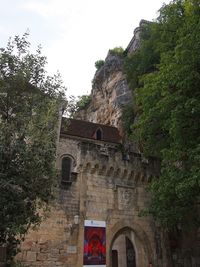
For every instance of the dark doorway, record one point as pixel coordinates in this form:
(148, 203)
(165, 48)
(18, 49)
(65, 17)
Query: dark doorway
(114, 258)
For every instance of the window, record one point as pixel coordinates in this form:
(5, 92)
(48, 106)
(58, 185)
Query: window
(68, 175)
(66, 170)
(99, 134)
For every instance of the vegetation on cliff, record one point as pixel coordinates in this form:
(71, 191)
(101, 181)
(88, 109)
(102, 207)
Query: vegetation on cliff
(117, 51)
(76, 104)
(99, 63)
(29, 109)
(165, 77)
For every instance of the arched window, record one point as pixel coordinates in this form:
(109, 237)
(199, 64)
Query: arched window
(66, 169)
(99, 134)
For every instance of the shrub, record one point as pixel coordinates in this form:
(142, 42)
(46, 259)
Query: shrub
(99, 64)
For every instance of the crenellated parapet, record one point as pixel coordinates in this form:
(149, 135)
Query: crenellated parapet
(125, 175)
(111, 164)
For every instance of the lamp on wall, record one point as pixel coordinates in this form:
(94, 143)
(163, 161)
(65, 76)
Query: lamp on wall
(74, 225)
(76, 219)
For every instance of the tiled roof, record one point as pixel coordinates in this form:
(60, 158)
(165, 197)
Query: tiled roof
(88, 130)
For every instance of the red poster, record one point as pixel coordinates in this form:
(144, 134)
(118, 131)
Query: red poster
(94, 244)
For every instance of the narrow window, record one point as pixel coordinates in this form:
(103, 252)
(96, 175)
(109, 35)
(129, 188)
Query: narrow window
(99, 134)
(66, 169)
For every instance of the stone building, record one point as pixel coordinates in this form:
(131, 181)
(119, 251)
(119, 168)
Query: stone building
(98, 182)
(102, 178)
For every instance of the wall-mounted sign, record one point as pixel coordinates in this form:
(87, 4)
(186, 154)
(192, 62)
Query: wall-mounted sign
(94, 254)
(72, 249)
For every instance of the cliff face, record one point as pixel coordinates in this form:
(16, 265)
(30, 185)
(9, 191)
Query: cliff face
(110, 93)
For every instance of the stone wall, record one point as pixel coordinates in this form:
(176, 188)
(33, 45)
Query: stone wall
(134, 44)
(107, 188)
(115, 191)
(52, 243)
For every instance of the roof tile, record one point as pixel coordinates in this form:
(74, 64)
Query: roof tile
(87, 130)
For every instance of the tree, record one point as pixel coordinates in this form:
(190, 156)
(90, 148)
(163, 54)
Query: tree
(168, 98)
(99, 63)
(76, 104)
(29, 105)
(119, 51)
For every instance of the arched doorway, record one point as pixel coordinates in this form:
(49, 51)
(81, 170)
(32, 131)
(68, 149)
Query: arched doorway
(123, 250)
(128, 246)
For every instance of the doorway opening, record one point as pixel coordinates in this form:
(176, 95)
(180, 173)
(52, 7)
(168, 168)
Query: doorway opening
(123, 252)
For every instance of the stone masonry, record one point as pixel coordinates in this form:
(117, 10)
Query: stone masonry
(107, 188)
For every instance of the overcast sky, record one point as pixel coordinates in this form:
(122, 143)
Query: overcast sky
(75, 33)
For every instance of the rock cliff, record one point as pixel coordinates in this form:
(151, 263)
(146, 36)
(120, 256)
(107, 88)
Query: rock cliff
(110, 93)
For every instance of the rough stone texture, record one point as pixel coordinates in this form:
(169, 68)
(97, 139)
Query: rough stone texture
(107, 188)
(110, 93)
(135, 41)
(107, 182)
(48, 245)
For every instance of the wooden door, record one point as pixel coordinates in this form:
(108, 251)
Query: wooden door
(114, 258)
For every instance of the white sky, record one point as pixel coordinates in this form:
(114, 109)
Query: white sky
(75, 33)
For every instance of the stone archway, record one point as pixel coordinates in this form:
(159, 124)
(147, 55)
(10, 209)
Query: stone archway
(123, 251)
(141, 249)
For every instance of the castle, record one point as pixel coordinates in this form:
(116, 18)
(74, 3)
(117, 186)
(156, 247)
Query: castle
(95, 220)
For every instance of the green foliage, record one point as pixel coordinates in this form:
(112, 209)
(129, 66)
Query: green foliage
(128, 118)
(145, 59)
(77, 104)
(99, 64)
(83, 101)
(29, 104)
(119, 51)
(167, 93)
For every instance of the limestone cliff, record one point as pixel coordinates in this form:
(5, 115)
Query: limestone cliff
(110, 93)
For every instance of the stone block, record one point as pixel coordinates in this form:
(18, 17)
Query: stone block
(55, 251)
(27, 245)
(62, 258)
(18, 257)
(41, 257)
(31, 256)
(63, 252)
(35, 248)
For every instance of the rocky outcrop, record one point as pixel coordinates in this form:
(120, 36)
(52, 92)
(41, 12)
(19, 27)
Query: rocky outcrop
(110, 93)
